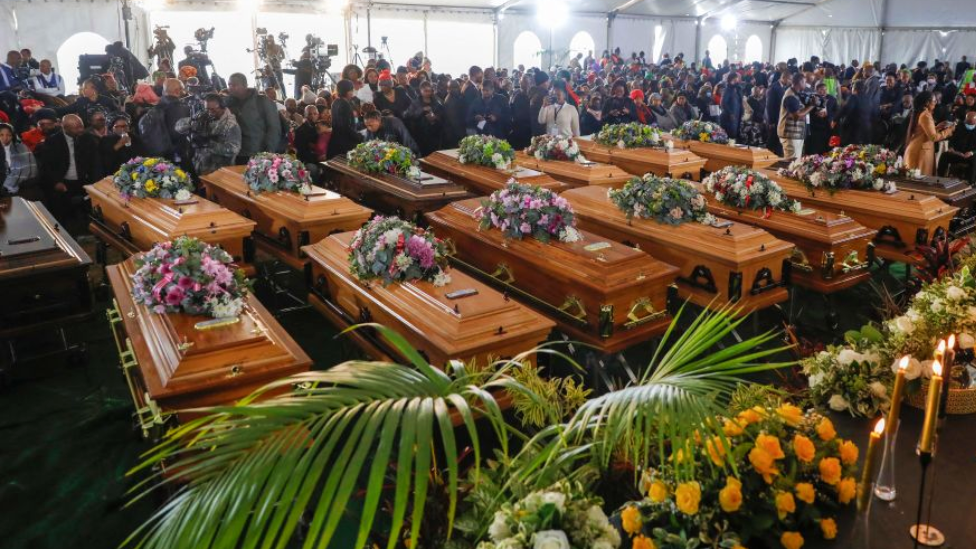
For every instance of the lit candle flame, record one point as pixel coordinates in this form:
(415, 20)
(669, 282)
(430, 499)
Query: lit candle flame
(879, 426)
(942, 347)
(936, 368)
(952, 342)
(904, 362)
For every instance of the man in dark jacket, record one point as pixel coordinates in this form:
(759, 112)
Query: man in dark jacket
(774, 100)
(822, 122)
(489, 114)
(89, 102)
(389, 128)
(962, 149)
(537, 96)
(731, 116)
(256, 115)
(68, 161)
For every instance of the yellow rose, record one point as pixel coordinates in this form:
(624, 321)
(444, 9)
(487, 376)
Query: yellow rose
(150, 162)
(791, 540)
(730, 497)
(805, 492)
(848, 452)
(790, 414)
(640, 542)
(846, 490)
(829, 528)
(716, 451)
(804, 448)
(703, 136)
(687, 497)
(180, 173)
(657, 492)
(135, 176)
(825, 430)
(771, 445)
(785, 504)
(150, 186)
(830, 470)
(764, 464)
(630, 519)
(732, 428)
(752, 415)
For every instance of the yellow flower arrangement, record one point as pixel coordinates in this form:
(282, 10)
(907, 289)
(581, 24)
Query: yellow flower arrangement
(150, 186)
(785, 504)
(730, 497)
(825, 430)
(830, 470)
(805, 492)
(771, 445)
(630, 519)
(687, 497)
(658, 492)
(150, 162)
(846, 490)
(829, 528)
(791, 540)
(803, 448)
(703, 137)
(848, 452)
(764, 464)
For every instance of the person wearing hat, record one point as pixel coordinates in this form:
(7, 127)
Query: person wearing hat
(119, 146)
(643, 113)
(390, 100)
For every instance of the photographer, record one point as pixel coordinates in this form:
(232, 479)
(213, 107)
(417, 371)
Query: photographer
(823, 119)
(216, 137)
(89, 102)
(119, 146)
(792, 127)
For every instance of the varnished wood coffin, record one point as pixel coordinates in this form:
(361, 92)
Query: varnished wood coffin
(903, 219)
(393, 195)
(43, 271)
(285, 221)
(598, 291)
(172, 363)
(135, 225)
(833, 252)
(738, 262)
(949, 190)
(482, 180)
(660, 161)
(576, 174)
(480, 327)
(719, 156)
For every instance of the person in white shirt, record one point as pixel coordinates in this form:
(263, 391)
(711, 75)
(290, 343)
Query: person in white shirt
(47, 81)
(559, 118)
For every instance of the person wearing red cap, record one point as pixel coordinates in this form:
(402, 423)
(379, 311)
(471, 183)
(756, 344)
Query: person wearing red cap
(643, 113)
(390, 100)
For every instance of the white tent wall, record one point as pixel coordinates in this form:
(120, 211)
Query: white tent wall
(838, 45)
(514, 23)
(911, 46)
(735, 39)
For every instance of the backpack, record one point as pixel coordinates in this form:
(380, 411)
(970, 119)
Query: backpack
(154, 134)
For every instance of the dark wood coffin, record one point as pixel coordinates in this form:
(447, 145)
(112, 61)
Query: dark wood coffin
(737, 262)
(950, 190)
(135, 225)
(173, 363)
(642, 160)
(482, 180)
(576, 174)
(598, 291)
(43, 271)
(393, 195)
(903, 219)
(285, 221)
(833, 252)
(482, 327)
(719, 156)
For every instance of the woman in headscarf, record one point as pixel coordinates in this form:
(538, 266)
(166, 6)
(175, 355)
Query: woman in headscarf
(390, 100)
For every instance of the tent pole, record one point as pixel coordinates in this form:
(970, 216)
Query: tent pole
(772, 41)
(698, 25)
(369, 27)
(610, 17)
(884, 24)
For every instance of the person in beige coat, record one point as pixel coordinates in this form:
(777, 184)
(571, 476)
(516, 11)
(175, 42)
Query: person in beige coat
(923, 134)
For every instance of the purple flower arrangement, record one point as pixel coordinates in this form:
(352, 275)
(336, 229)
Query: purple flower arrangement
(270, 172)
(862, 167)
(190, 276)
(526, 211)
(393, 250)
(706, 132)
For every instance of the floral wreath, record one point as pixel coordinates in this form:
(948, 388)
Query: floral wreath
(485, 150)
(741, 187)
(551, 147)
(270, 172)
(523, 210)
(152, 178)
(665, 200)
(392, 250)
(384, 157)
(631, 135)
(706, 132)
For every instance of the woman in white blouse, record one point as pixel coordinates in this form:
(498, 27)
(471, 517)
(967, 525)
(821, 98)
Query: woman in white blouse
(559, 118)
(18, 169)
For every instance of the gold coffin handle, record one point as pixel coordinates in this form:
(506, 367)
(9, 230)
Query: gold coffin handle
(504, 273)
(800, 262)
(643, 304)
(851, 263)
(573, 303)
(450, 247)
(147, 412)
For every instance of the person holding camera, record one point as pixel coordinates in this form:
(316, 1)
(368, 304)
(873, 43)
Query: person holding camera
(216, 137)
(119, 146)
(792, 127)
(559, 116)
(823, 119)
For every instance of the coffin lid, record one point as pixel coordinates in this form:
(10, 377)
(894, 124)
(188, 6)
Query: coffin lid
(430, 186)
(732, 152)
(648, 154)
(946, 188)
(177, 358)
(616, 265)
(592, 171)
(424, 307)
(447, 161)
(320, 206)
(732, 245)
(198, 216)
(30, 243)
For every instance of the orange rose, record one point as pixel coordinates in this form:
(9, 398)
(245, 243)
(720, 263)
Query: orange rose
(764, 464)
(687, 497)
(730, 497)
(630, 519)
(771, 445)
(829, 528)
(752, 415)
(848, 452)
(658, 491)
(732, 428)
(716, 451)
(830, 470)
(825, 430)
(804, 449)
(790, 414)
(785, 504)
(805, 492)
(791, 540)
(846, 490)
(640, 542)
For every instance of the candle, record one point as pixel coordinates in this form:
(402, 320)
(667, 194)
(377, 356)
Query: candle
(867, 477)
(897, 393)
(931, 409)
(939, 353)
(950, 359)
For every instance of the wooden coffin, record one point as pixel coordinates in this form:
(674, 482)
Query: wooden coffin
(393, 195)
(134, 225)
(43, 271)
(736, 262)
(598, 291)
(285, 221)
(833, 252)
(576, 174)
(719, 156)
(657, 160)
(172, 362)
(952, 191)
(482, 180)
(903, 219)
(479, 327)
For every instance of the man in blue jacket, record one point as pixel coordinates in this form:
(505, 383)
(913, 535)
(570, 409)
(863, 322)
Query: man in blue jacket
(489, 114)
(731, 117)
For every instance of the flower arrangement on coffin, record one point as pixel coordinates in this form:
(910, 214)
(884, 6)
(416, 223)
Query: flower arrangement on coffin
(632, 135)
(152, 178)
(393, 250)
(485, 150)
(706, 132)
(190, 276)
(665, 200)
(561, 517)
(852, 378)
(791, 475)
(553, 147)
(741, 187)
(270, 172)
(523, 210)
(853, 167)
(384, 157)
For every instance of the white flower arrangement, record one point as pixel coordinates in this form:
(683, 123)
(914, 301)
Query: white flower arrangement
(852, 378)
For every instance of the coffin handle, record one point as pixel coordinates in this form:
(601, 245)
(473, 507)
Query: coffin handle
(571, 304)
(851, 263)
(450, 247)
(147, 413)
(642, 305)
(504, 273)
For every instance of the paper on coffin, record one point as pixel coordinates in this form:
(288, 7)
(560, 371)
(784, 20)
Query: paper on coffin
(680, 163)
(482, 180)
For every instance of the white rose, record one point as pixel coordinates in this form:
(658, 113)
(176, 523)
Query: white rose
(913, 315)
(966, 341)
(182, 194)
(556, 498)
(912, 371)
(878, 389)
(499, 529)
(954, 293)
(550, 539)
(937, 306)
(904, 325)
(815, 379)
(847, 356)
(838, 403)
(596, 517)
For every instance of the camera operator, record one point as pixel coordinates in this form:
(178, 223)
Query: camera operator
(132, 69)
(198, 61)
(792, 127)
(304, 71)
(216, 136)
(823, 120)
(12, 77)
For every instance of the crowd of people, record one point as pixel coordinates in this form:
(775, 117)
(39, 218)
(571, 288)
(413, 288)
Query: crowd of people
(56, 141)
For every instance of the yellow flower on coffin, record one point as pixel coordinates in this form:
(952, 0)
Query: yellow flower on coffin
(687, 497)
(658, 491)
(732, 428)
(805, 492)
(763, 463)
(804, 448)
(880, 169)
(825, 430)
(716, 451)
(135, 176)
(703, 136)
(771, 445)
(630, 519)
(785, 504)
(846, 490)
(848, 452)
(150, 186)
(791, 540)
(830, 470)
(180, 173)
(829, 528)
(641, 542)
(150, 162)
(792, 415)
(730, 497)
